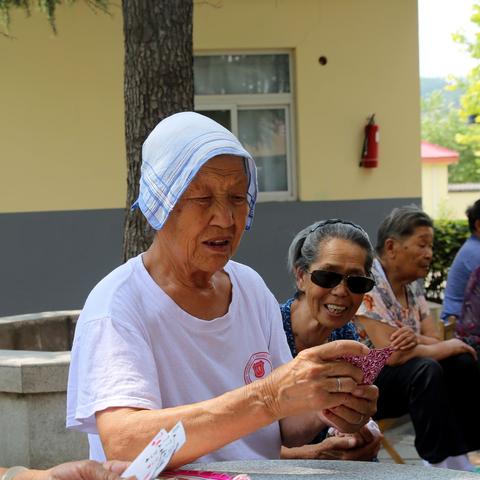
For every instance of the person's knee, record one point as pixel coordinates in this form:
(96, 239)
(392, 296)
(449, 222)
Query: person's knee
(426, 371)
(462, 366)
(464, 360)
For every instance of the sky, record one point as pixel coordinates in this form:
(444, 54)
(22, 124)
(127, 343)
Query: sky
(439, 54)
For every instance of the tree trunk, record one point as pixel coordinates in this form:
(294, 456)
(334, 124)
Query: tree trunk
(158, 82)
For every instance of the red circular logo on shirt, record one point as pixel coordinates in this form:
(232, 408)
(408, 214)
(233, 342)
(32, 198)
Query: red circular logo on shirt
(258, 366)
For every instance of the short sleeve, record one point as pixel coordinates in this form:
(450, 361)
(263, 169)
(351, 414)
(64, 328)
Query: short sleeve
(111, 366)
(373, 306)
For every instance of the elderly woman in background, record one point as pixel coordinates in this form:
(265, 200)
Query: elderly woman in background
(330, 261)
(181, 332)
(467, 326)
(465, 262)
(437, 382)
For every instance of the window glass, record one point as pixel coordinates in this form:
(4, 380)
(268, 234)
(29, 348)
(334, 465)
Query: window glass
(241, 74)
(251, 95)
(263, 133)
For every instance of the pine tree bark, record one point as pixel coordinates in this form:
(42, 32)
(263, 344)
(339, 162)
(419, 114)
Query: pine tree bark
(158, 82)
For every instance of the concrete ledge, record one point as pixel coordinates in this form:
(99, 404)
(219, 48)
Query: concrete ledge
(34, 363)
(45, 331)
(35, 317)
(24, 371)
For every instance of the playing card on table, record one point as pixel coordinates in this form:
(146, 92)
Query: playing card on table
(370, 364)
(156, 455)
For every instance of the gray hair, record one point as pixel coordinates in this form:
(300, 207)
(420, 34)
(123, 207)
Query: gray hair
(400, 223)
(304, 249)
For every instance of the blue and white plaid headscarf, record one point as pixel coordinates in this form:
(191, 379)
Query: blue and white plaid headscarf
(172, 155)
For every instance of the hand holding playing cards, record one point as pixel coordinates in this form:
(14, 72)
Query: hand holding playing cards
(362, 445)
(354, 412)
(362, 403)
(404, 338)
(316, 379)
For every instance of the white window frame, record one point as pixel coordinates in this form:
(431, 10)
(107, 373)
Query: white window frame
(259, 101)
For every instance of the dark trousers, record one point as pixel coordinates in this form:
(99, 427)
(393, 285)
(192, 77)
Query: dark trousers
(443, 400)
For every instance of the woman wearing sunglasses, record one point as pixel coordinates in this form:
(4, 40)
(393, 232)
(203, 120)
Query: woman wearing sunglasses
(330, 261)
(437, 382)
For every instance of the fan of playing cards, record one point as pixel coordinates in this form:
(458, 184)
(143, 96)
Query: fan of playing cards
(370, 364)
(156, 455)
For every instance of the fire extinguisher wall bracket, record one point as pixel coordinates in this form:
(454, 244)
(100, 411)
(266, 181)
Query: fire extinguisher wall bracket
(369, 157)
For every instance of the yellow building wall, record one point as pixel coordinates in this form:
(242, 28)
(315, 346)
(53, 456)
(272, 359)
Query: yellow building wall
(435, 189)
(372, 52)
(437, 200)
(458, 202)
(61, 98)
(61, 112)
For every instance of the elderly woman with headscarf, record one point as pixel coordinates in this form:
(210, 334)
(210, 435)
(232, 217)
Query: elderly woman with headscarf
(181, 332)
(437, 382)
(330, 262)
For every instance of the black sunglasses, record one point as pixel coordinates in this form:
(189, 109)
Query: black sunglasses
(355, 283)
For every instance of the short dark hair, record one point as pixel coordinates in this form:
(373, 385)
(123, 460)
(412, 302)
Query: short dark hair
(401, 222)
(473, 214)
(305, 246)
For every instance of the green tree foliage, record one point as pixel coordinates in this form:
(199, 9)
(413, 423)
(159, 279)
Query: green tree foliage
(470, 100)
(443, 125)
(47, 7)
(458, 129)
(449, 237)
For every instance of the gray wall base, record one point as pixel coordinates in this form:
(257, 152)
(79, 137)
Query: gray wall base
(51, 260)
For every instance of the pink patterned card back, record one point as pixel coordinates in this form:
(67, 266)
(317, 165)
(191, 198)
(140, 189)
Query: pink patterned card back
(370, 364)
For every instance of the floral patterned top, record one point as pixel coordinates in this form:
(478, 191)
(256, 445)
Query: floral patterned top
(347, 332)
(467, 327)
(381, 304)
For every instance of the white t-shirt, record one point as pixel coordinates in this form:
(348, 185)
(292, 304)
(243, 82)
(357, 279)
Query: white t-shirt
(135, 347)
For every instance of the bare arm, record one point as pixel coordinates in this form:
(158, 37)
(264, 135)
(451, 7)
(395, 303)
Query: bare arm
(380, 333)
(301, 429)
(209, 425)
(306, 384)
(429, 332)
(81, 470)
(28, 474)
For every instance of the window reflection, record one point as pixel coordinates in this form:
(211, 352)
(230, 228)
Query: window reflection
(241, 74)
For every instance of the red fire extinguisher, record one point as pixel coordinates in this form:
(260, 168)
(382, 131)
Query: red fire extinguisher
(370, 144)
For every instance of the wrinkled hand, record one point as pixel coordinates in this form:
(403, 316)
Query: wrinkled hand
(404, 339)
(456, 347)
(355, 411)
(363, 445)
(87, 470)
(366, 442)
(309, 382)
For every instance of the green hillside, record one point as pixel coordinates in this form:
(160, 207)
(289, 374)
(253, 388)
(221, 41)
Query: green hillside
(429, 85)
